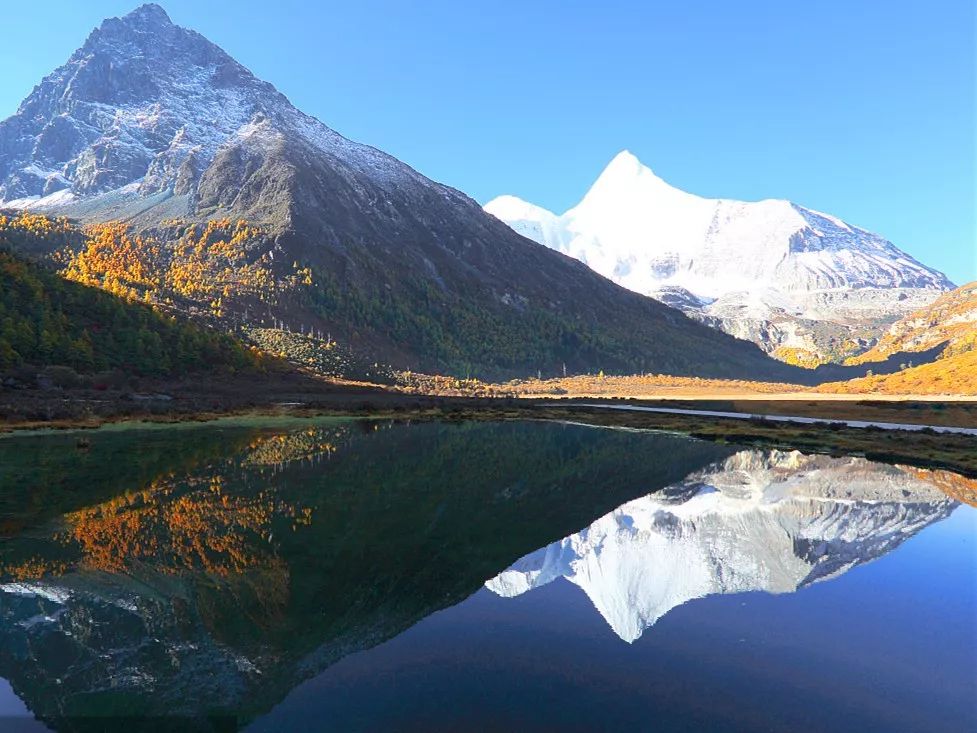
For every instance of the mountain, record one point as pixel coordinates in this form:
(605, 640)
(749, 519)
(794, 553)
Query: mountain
(946, 329)
(797, 282)
(950, 321)
(759, 521)
(953, 375)
(153, 125)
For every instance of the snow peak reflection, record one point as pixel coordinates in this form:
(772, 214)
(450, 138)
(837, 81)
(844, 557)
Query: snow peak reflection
(760, 521)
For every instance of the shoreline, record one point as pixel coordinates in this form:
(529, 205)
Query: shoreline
(923, 448)
(795, 419)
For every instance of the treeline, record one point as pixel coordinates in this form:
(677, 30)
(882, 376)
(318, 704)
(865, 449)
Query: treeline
(37, 234)
(47, 320)
(461, 336)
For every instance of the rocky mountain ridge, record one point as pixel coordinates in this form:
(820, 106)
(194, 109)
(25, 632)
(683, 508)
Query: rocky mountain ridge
(950, 320)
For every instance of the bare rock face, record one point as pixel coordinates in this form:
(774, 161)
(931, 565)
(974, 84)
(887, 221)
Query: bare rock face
(950, 320)
(771, 271)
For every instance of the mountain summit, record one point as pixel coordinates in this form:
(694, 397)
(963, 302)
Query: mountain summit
(771, 271)
(145, 108)
(154, 125)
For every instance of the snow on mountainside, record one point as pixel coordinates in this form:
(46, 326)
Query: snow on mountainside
(760, 521)
(770, 271)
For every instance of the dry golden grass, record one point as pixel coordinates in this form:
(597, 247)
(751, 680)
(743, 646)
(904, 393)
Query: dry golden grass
(653, 385)
(953, 375)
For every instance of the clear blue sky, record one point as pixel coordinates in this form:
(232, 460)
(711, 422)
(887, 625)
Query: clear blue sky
(861, 108)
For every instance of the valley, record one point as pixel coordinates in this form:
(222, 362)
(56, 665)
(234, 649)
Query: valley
(302, 434)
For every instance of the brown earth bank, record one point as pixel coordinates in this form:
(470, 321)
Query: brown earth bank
(961, 414)
(195, 397)
(207, 398)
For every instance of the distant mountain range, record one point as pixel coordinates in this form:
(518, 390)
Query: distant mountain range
(152, 124)
(801, 284)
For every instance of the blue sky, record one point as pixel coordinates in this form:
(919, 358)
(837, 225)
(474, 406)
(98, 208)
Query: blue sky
(860, 108)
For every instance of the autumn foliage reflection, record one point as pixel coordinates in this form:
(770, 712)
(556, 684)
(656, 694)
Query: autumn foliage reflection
(220, 521)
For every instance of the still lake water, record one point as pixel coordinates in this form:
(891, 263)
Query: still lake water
(353, 575)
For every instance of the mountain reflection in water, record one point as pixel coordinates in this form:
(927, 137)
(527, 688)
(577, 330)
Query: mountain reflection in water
(759, 521)
(198, 575)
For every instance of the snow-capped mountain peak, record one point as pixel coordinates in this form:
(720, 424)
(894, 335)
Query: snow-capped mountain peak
(149, 123)
(149, 15)
(627, 178)
(636, 229)
(515, 209)
(142, 109)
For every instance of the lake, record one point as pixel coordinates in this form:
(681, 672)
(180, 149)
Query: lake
(357, 575)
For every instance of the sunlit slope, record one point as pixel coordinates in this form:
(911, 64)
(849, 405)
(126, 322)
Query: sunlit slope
(950, 375)
(46, 320)
(951, 319)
